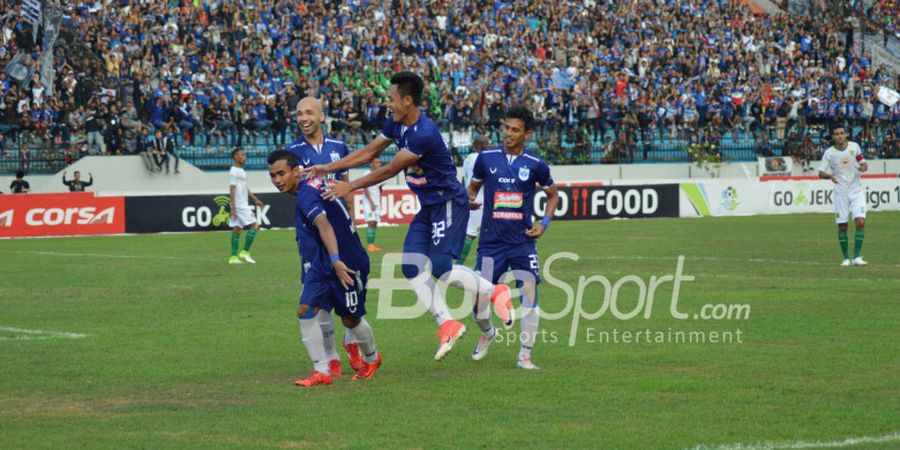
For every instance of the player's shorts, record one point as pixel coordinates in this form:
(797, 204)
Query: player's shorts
(327, 293)
(371, 214)
(519, 257)
(847, 205)
(474, 226)
(307, 249)
(439, 228)
(244, 218)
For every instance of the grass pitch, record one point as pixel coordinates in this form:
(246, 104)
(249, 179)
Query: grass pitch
(181, 350)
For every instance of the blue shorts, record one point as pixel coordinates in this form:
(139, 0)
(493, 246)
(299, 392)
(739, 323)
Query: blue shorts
(509, 257)
(439, 228)
(307, 250)
(327, 293)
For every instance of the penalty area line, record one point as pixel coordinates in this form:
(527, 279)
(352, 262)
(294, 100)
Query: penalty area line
(22, 334)
(849, 442)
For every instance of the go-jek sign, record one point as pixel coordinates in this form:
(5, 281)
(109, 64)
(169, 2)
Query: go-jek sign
(70, 214)
(739, 197)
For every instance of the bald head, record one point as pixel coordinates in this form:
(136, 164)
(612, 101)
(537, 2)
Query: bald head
(480, 143)
(310, 103)
(310, 117)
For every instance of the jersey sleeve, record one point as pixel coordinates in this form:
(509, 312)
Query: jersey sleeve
(388, 129)
(421, 143)
(824, 166)
(478, 168)
(860, 157)
(232, 178)
(310, 205)
(543, 174)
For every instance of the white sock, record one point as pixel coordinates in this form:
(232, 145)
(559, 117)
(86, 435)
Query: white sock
(363, 331)
(470, 281)
(349, 337)
(481, 314)
(311, 335)
(326, 323)
(529, 326)
(431, 297)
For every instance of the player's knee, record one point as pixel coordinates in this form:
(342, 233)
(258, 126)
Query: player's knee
(350, 321)
(860, 224)
(842, 227)
(305, 312)
(410, 271)
(441, 263)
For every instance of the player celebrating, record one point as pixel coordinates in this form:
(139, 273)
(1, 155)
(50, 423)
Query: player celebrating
(509, 175)
(438, 230)
(241, 215)
(480, 143)
(372, 208)
(314, 147)
(337, 274)
(842, 163)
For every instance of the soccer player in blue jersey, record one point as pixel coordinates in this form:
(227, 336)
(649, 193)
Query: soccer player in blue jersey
(311, 148)
(438, 231)
(510, 176)
(337, 274)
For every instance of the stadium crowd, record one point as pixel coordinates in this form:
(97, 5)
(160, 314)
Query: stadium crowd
(621, 76)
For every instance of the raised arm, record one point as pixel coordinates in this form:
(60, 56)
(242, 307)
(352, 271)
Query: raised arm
(355, 159)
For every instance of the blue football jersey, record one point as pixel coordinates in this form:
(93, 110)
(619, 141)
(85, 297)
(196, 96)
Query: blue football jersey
(309, 205)
(433, 178)
(509, 187)
(307, 155)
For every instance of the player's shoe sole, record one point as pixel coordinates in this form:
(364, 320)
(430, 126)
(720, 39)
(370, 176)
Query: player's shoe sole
(525, 363)
(356, 360)
(334, 368)
(234, 260)
(449, 332)
(368, 371)
(502, 301)
(484, 343)
(246, 258)
(314, 379)
(858, 261)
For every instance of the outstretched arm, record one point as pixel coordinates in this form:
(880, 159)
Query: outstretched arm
(357, 158)
(401, 161)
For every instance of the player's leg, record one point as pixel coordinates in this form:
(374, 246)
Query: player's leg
(493, 264)
(247, 217)
(842, 214)
(526, 271)
(454, 218)
(350, 304)
(858, 208)
(372, 215)
(415, 255)
(311, 333)
(326, 324)
(235, 242)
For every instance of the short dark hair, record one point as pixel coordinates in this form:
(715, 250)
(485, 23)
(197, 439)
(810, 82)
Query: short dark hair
(235, 151)
(838, 127)
(279, 155)
(522, 113)
(20, 173)
(409, 84)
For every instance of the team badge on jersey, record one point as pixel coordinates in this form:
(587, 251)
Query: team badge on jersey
(524, 172)
(335, 156)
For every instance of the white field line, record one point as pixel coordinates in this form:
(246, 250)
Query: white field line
(717, 259)
(36, 335)
(849, 442)
(103, 255)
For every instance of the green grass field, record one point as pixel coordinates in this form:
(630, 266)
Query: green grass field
(182, 350)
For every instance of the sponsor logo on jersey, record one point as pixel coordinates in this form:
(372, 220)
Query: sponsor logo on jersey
(508, 200)
(507, 215)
